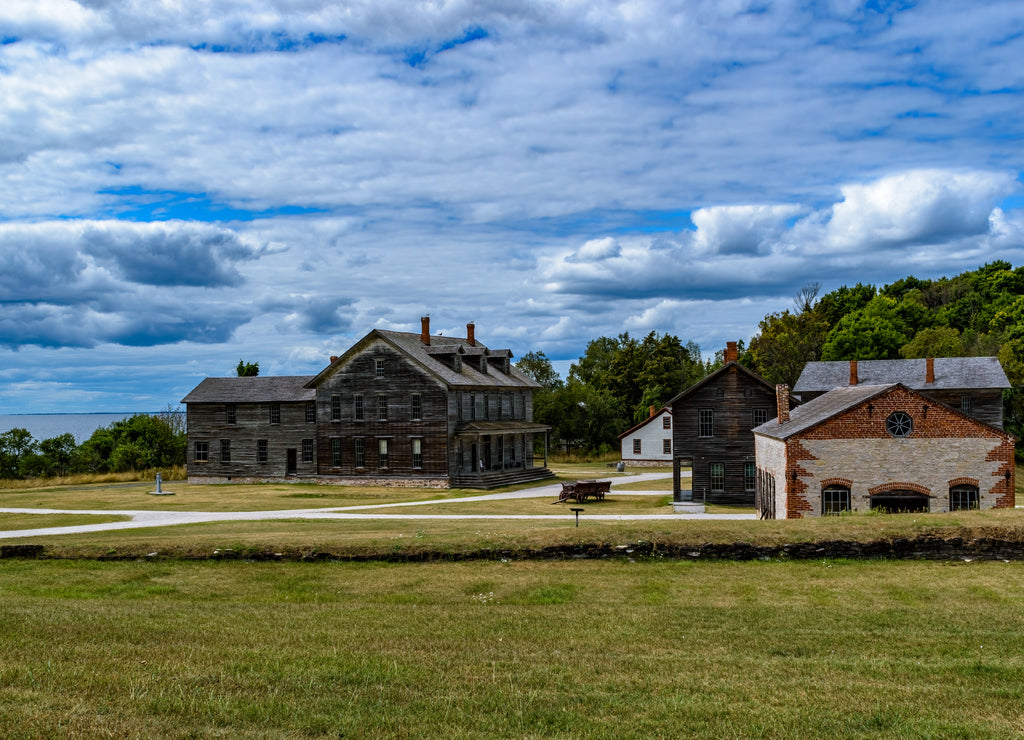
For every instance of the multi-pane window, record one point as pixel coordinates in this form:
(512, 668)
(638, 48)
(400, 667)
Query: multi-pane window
(359, 446)
(637, 445)
(307, 450)
(202, 451)
(965, 404)
(835, 500)
(666, 446)
(357, 407)
(705, 422)
(382, 453)
(225, 450)
(506, 406)
(335, 407)
(964, 497)
(378, 368)
(382, 407)
(417, 406)
(335, 452)
(417, 452)
(275, 413)
(666, 422)
(310, 412)
(749, 476)
(261, 450)
(230, 414)
(899, 424)
(717, 473)
(759, 416)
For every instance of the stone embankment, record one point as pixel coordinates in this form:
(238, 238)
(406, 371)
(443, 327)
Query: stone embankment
(926, 547)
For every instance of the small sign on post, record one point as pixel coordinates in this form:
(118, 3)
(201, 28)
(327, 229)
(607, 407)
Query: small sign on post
(577, 511)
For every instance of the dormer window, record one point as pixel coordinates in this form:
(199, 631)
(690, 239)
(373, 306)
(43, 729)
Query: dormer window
(483, 364)
(457, 363)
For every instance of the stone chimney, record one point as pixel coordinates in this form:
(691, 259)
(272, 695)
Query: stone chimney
(653, 412)
(425, 330)
(782, 402)
(732, 354)
(334, 358)
(471, 335)
(929, 370)
(853, 372)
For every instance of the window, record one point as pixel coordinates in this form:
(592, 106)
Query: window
(717, 473)
(382, 453)
(483, 364)
(225, 450)
(506, 406)
(310, 412)
(749, 476)
(382, 407)
(378, 368)
(666, 422)
(357, 407)
(261, 450)
(705, 422)
(202, 451)
(335, 452)
(636, 446)
(230, 414)
(275, 413)
(360, 450)
(417, 452)
(835, 500)
(758, 416)
(964, 497)
(335, 407)
(666, 446)
(899, 424)
(965, 404)
(417, 406)
(472, 407)
(307, 450)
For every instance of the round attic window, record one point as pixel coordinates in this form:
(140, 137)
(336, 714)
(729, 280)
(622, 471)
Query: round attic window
(899, 424)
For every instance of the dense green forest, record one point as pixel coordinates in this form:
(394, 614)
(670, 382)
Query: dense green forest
(142, 442)
(976, 313)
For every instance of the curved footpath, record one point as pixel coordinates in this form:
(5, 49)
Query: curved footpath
(144, 518)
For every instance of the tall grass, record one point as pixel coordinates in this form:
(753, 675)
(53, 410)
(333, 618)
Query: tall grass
(175, 472)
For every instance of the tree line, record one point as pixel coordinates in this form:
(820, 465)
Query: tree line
(977, 313)
(141, 442)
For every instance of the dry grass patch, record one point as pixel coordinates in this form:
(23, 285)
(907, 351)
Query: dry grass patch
(9, 522)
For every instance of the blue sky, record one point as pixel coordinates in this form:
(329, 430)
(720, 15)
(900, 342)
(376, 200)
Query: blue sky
(186, 184)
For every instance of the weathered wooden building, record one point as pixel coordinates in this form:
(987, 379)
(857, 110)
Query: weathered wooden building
(713, 420)
(887, 446)
(397, 408)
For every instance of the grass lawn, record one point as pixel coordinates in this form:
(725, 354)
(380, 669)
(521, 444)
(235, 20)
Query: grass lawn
(595, 649)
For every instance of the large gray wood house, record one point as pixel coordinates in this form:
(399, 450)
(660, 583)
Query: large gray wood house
(397, 408)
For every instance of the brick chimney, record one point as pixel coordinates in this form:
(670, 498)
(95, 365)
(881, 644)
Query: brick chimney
(334, 358)
(853, 372)
(653, 412)
(731, 352)
(425, 330)
(929, 370)
(471, 335)
(782, 402)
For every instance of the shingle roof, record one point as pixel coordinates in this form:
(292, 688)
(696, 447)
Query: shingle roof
(709, 378)
(950, 373)
(426, 356)
(270, 388)
(819, 409)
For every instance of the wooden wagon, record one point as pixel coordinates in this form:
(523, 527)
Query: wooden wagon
(581, 490)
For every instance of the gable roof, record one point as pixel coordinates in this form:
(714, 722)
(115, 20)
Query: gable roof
(258, 389)
(648, 420)
(428, 357)
(950, 373)
(721, 371)
(839, 400)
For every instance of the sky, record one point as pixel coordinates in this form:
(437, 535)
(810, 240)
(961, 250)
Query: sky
(188, 183)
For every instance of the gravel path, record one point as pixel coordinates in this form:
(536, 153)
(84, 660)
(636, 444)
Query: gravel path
(143, 518)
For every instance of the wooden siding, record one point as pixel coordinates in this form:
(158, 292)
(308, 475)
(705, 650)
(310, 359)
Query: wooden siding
(732, 396)
(207, 422)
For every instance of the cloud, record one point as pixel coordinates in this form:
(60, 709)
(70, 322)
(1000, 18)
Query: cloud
(740, 229)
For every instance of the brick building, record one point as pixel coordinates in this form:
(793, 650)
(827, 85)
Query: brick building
(887, 446)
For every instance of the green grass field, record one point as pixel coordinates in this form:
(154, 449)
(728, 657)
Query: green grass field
(520, 649)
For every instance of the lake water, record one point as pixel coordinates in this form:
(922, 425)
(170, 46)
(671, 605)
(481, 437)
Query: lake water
(47, 426)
